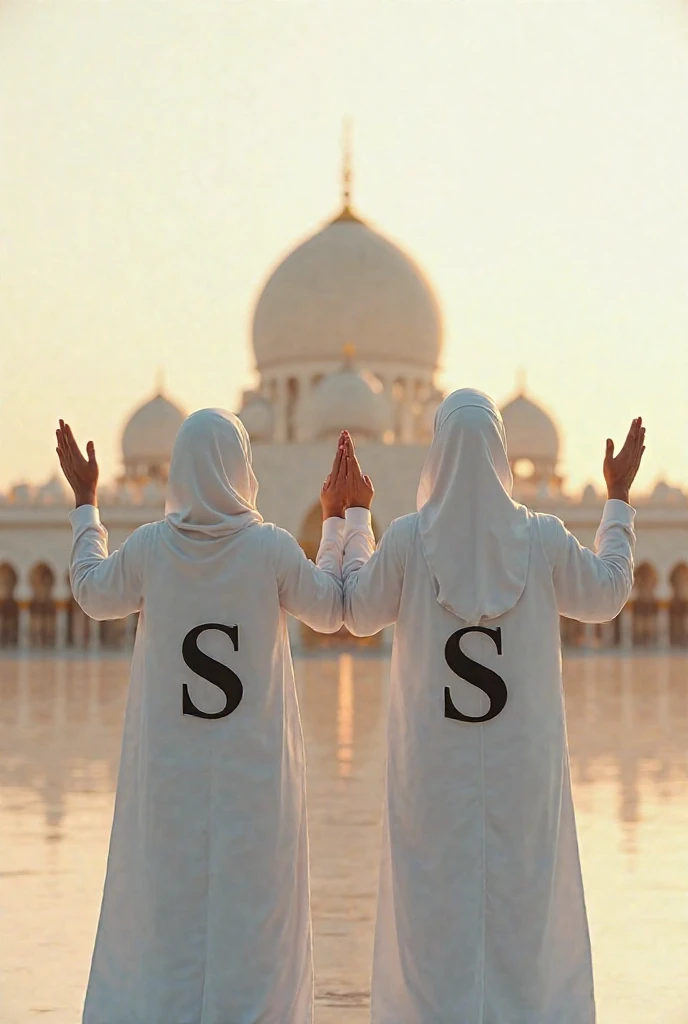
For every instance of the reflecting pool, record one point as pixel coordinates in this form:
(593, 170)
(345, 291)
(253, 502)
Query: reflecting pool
(60, 724)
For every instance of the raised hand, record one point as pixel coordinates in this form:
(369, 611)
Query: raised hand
(620, 471)
(359, 487)
(333, 493)
(81, 473)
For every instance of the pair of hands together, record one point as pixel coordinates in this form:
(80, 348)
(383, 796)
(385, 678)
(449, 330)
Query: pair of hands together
(346, 486)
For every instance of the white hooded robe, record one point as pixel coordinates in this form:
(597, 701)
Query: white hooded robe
(481, 913)
(205, 916)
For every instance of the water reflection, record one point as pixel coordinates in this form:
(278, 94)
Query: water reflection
(60, 723)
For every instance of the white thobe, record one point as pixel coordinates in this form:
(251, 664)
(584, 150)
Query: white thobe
(481, 915)
(205, 916)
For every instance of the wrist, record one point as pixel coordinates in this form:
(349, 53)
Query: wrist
(619, 494)
(85, 498)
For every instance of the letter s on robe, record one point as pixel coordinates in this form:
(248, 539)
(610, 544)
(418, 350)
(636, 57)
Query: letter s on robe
(475, 674)
(214, 671)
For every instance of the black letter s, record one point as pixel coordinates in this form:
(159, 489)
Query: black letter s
(476, 674)
(214, 671)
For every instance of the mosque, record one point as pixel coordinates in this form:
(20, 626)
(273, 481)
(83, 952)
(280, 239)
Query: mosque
(347, 332)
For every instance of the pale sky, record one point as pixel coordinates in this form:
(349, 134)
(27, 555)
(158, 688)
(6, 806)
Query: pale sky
(159, 158)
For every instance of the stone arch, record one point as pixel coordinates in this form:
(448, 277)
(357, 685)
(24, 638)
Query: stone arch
(42, 608)
(678, 606)
(9, 607)
(309, 539)
(645, 613)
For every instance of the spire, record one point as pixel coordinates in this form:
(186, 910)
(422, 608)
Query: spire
(160, 381)
(520, 381)
(347, 173)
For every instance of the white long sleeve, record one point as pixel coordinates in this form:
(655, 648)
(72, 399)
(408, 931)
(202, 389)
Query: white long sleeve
(593, 586)
(313, 593)
(372, 578)
(105, 586)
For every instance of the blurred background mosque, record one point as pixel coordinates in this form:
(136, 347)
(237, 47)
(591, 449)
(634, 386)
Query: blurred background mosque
(347, 332)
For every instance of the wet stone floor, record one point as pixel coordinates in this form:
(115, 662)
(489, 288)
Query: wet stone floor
(60, 723)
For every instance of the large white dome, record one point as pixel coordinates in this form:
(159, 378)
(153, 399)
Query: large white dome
(530, 431)
(150, 433)
(347, 285)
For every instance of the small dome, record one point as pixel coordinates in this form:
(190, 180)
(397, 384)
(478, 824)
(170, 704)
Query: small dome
(345, 285)
(665, 494)
(590, 495)
(54, 492)
(258, 416)
(530, 431)
(350, 399)
(149, 436)
(661, 493)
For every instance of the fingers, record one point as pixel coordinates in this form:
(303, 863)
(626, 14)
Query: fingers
(72, 446)
(63, 449)
(348, 443)
(639, 444)
(640, 452)
(629, 445)
(339, 461)
(609, 451)
(91, 452)
(641, 436)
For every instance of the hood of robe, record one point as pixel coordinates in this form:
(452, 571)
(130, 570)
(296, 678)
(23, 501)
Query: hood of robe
(212, 489)
(475, 537)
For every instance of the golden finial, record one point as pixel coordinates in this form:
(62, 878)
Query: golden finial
(347, 173)
(521, 381)
(349, 353)
(160, 381)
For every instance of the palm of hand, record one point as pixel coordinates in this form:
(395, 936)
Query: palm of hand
(620, 470)
(81, 472)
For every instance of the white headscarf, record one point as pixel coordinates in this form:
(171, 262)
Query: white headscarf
(476, 539)
(212, 489)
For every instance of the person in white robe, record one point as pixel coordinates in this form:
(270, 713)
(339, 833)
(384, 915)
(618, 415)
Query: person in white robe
(481, 914)
(205, 916)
